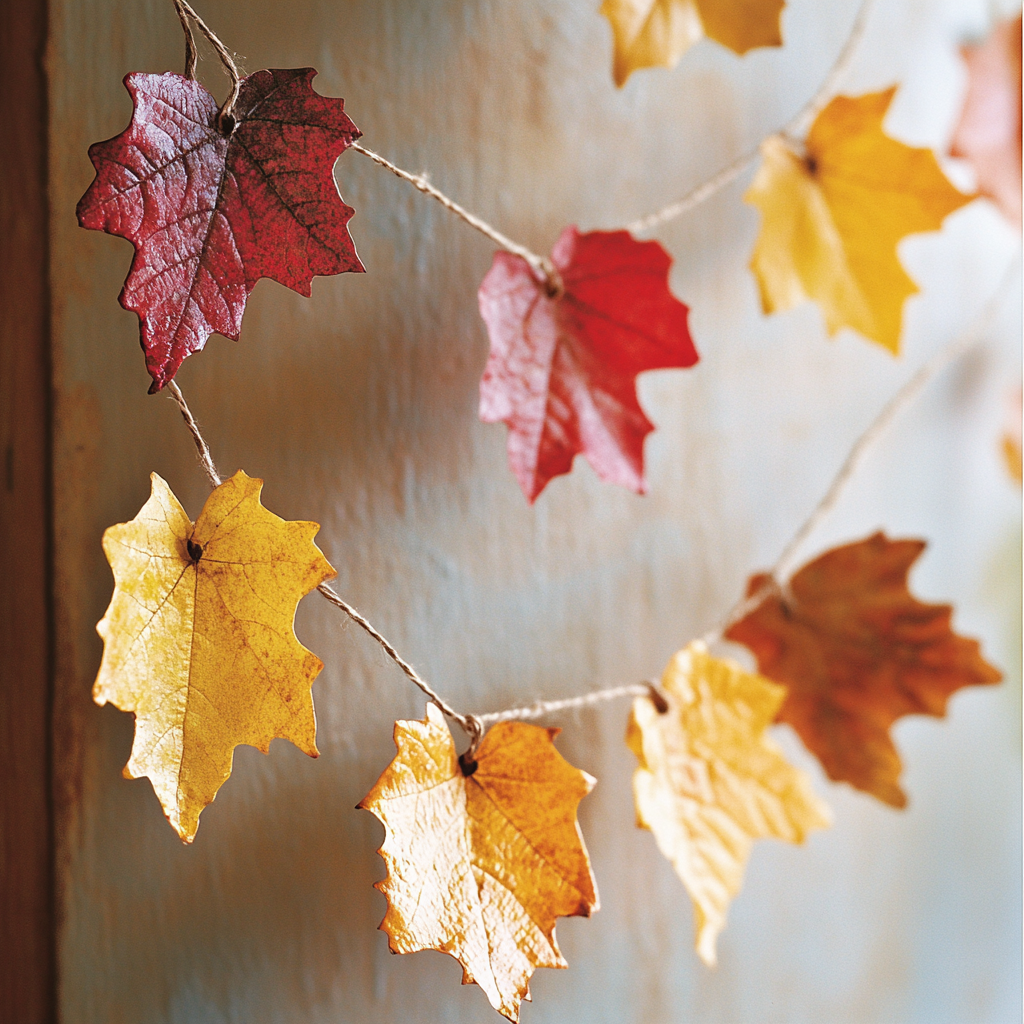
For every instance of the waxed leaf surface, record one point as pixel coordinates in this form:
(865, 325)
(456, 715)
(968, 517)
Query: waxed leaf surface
(710, 780)
(203, 650)
(832, 217)
(857, 651)
(562, 370)
(656, 33)
(210, 214)
(989, 131)
(480, 866)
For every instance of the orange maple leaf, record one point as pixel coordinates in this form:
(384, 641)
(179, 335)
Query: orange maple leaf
(858, 651)
(482, 860)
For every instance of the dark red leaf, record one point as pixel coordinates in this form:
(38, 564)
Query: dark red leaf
(210, 214)
(562, 370)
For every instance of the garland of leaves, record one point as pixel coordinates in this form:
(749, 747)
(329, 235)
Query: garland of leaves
(200, 624)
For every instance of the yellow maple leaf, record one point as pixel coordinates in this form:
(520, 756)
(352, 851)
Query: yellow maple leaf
(832, 217)
(199, 639)
(656, 33)
(482, 861)
(710, 781)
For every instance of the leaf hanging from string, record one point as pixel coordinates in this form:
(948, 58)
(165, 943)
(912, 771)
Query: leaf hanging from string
(562, 370)
(711, 781)
(857, 651)
(656, 33)
(833, 215)
(199, 642)
(210, 212)
(482, 860)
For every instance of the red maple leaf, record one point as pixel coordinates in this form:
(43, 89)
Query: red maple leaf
(562, 370)
(210, 212)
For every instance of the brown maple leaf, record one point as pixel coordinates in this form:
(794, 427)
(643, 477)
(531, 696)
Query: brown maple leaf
(482, 860)
(858, 651)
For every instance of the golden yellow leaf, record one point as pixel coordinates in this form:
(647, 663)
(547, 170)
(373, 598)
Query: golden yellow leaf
(656, 33)
(710, 781)
(199, 639)
(481, 862)
(831, 218)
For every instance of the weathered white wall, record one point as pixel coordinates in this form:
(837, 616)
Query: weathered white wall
(359, 408)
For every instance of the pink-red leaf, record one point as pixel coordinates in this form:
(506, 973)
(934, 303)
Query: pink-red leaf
(210, 213)
(989, 132)
(562, 370)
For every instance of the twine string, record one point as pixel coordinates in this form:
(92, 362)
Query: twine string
(541, 708)
(225, 116)
(541, 265)
(777, 577)
(791, 132)
(191, 53)
(471, 724)
(475, 725)
(202, 448)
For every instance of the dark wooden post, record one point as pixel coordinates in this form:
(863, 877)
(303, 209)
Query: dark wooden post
(27, 993)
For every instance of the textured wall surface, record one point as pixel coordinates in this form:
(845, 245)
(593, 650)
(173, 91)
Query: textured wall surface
(358, 407)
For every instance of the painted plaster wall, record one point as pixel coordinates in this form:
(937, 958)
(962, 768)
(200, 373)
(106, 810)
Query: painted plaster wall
(358, 407)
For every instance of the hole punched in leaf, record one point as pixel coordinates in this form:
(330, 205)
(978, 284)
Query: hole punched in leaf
(659, 702)
(467, 764)
(195, 551)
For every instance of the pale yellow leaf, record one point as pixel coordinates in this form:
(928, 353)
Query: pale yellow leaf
(831, 218)
(481, 862)
(710, 780)
(656, 33)
(199, 640)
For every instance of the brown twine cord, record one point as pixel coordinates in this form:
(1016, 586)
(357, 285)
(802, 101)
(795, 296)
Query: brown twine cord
(791, 132)
(191, 53)
(471, 724)
(475, 725)
(778, 575)
(541, 708)
(784, 565)
(225, 116)
(796, 126)
(205, 459)
(542, 266)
